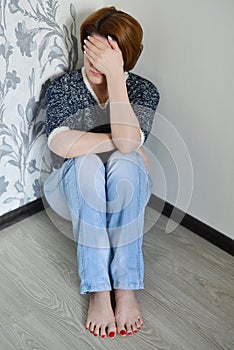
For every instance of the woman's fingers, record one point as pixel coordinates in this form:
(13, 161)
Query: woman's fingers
(88, 55)
(114, 45)
(89, 52)
(94, 48)
(99, 44)
(104, 54)
(89, 47)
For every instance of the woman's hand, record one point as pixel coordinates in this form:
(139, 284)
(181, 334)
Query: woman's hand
(144, 156)
(104, 54)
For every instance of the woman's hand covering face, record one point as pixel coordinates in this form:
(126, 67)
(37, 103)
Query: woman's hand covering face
(104, 54)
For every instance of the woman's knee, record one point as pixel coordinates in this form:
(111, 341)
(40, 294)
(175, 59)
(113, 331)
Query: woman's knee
(88, 167)
(125, 164)
(85, 174)
(127, 156)
(87, 162)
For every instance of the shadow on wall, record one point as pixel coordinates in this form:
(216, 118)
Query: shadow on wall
(40, 47)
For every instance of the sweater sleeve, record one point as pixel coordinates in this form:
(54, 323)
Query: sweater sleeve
(144, 99)
(58, 109)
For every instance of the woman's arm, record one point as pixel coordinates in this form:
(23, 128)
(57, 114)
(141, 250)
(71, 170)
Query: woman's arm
(125, 128)
(73, 143)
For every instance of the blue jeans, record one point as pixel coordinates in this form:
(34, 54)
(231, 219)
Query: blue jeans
(107, 203)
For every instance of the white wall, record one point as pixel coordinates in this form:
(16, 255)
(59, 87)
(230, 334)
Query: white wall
(189, 55)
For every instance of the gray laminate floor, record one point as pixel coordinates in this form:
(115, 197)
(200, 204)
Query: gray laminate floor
(187, 302)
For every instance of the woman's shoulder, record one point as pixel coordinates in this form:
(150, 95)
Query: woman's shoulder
(67, 78)
(65, 81)
(139, 86)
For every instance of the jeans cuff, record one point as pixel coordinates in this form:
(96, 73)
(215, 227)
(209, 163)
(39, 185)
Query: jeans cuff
(128, 285)
(95, 288)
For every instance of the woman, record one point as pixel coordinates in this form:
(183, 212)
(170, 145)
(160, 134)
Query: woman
(97, 119)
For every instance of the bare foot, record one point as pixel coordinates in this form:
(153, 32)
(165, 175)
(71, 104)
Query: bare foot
(127, 312)
(101, 315)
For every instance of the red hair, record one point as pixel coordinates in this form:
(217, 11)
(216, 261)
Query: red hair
(122, 27)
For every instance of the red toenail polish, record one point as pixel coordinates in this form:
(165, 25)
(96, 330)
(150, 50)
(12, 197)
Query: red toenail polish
(123, 332)
(139, 327)
(111, 334)
(129, 333)
(103, 336)
(135, 331)
(91, 332)
(95, 334)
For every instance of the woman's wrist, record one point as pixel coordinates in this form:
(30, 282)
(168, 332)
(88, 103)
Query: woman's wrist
(116, 83)
(115, 73)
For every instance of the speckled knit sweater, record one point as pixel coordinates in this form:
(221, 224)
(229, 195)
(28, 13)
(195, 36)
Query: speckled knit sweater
(71, 103)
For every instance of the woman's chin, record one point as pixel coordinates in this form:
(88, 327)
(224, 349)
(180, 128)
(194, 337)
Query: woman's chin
(96, 78)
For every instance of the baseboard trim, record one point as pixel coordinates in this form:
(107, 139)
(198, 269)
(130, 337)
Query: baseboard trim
(201, 229)
(21, 213)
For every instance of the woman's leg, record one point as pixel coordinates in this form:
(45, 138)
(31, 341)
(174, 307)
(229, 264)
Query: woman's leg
(84, 190)
(128, 191)
(83, 186)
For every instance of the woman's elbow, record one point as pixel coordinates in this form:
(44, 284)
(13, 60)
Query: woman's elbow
(126, 146)
(60, 150)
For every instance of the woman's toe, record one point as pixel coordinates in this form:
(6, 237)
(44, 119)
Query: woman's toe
(91, 328)
(111, 330)
(96, 331)
(122, 331)
(139, 324)
(140, 320)
(103, 332)
(111, 334)
(134, 328)
(129, 329)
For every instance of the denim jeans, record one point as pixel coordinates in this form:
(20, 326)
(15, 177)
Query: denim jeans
(107, 203)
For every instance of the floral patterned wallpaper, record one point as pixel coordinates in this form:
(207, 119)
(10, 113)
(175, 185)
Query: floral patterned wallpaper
(38, 41)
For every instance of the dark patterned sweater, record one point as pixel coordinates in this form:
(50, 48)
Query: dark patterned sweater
(71, 103)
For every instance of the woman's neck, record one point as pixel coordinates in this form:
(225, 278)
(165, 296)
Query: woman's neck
(101, 92)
